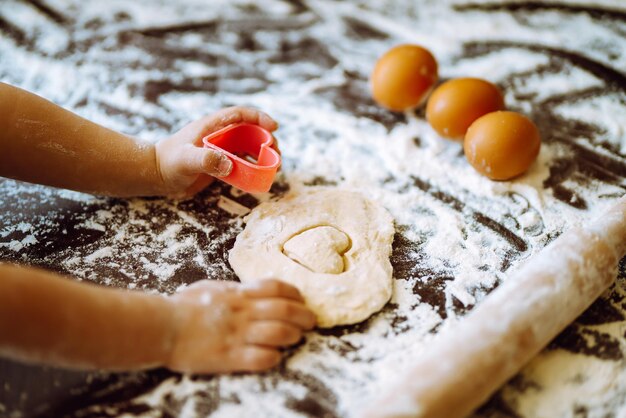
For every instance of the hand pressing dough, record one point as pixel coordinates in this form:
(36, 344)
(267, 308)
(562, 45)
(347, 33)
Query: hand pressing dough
(333, 245)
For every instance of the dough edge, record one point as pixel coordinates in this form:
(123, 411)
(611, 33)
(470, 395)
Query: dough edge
(336, 299)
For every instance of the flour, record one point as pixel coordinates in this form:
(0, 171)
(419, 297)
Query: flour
(459, 234)
(232, 206)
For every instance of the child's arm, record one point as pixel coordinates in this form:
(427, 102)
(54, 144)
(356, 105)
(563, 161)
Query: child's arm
(209, 327)
(41, 142)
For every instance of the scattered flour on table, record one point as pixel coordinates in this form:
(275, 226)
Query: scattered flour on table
(446, 259)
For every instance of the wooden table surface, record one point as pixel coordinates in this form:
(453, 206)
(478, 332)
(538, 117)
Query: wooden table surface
(147, 68)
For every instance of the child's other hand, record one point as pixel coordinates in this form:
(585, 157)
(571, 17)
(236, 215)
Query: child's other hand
(186, 167)
(228, 327)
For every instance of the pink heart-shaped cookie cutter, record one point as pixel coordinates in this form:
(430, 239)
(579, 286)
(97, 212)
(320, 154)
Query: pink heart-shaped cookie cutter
(245, 139)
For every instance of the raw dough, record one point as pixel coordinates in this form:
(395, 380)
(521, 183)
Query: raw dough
(333, 245)
(320, 249)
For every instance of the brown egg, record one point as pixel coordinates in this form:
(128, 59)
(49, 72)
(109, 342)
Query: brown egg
(403, 76)
(502, 145)
(456, 104)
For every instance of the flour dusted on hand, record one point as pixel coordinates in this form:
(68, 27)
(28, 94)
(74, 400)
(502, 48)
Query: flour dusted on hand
(333, 245)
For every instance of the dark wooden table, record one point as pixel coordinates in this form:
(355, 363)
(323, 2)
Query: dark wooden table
(148, 68)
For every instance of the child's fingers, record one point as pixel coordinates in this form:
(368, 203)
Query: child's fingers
(255, 359)
(196, 160)
(275, 145)
(200, 184)
(271, 288)
(284, 310)
(229, 116)
(239, 114)
(272, 333)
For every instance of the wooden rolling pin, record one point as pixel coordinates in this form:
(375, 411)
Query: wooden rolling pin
(468, 362)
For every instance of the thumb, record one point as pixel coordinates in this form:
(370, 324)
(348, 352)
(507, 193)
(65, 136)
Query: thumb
(198, 160)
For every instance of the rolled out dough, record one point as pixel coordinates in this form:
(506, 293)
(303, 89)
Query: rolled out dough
(333, 245)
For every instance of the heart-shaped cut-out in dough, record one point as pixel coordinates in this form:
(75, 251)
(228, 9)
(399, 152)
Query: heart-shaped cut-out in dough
(320, 249)
(351, 296)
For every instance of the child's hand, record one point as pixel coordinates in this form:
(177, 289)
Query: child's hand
(228, 327)
(185, 167)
